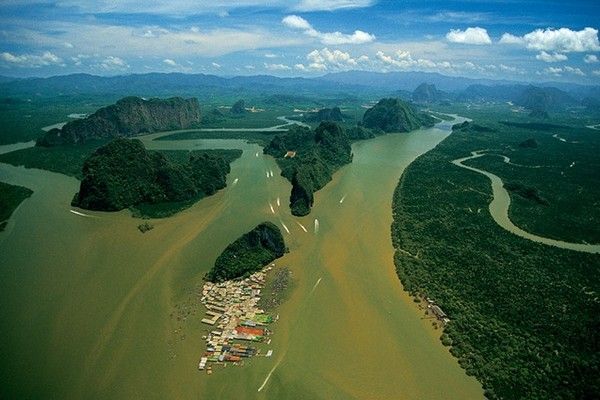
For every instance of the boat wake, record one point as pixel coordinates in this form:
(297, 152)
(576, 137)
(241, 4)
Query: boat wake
(301, 226)
(285, 227)
(81, 214)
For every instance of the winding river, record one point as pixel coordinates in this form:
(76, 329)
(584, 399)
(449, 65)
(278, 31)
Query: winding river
(501, 203)
(91, 308)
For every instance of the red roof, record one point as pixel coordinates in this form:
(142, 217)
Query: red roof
(250, 331)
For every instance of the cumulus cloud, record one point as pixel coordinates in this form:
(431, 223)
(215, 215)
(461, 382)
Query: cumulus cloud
(596, 72)
(171, 63)
(326, 59)
(31, 60)
(554, 57)
(331, 5)
(563, 40)
(277, 67)
(508, 38)
(590, 59)
(113, 63)
(474, 35)
(559, 71)
(215, 65)
(328, 38)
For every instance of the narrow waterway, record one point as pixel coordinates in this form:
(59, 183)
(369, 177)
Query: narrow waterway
(88, 304)
(501, 203)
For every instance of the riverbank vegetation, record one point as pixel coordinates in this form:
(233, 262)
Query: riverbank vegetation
(524, 316)
(249, 253)
(10, 198)
(123, 174)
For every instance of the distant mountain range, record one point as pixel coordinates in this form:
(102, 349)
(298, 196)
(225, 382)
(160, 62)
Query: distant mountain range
(350, 83)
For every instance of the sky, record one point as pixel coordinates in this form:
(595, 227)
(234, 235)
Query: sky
(543, 40)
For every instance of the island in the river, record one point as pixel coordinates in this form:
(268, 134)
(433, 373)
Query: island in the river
(308, 159)
(249, 253)
(130, 116)
(123, 174)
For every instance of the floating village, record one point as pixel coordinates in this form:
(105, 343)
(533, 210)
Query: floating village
(237, 323)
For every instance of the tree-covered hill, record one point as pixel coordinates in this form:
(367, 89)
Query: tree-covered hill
(249, 253)
(395, 115)
(124, 174)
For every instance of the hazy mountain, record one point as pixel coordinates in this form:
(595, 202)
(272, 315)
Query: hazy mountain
(427, 93)
(544, 99)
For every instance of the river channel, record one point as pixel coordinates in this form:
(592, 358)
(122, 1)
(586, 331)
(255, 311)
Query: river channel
(86, 301)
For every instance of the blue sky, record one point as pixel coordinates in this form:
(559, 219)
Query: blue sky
(519, 40)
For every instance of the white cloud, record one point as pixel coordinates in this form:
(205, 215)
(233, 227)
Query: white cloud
(334, 60)
(590, 59)
(277, 67)
(558, 71)
(31, 60)
(554, 57)
(508, 38)
(328, 38)
(271, 55)
(458, 16)
(563, 40)
(331, 5)
(474, 35)
(215, 65)
(249, 67)
(113, 63)
(554, 71)
(296, 22)
(574, 70)
(596, 72)
(124, 41)
(171, 63)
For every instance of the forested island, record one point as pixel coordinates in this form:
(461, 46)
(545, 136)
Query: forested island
(308, 160)
(10, 198)
(123, 174)
(523, 315)
(395, 115)
(130, 116)
(249, 253)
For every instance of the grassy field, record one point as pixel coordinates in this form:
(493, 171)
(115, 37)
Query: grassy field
(523, 315)
(10, 198)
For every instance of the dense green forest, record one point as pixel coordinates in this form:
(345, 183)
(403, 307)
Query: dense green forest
(560, 177)
(524, 316)
(249, 253)
(10, 198)
(124, 174)
(316, 156)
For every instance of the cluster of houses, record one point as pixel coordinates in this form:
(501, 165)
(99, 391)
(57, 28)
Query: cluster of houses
(437, 311)
(234, 316)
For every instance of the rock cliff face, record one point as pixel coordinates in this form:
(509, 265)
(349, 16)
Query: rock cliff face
(130, 116)
(395, 115)
(425, 93)
(325, 114)
(249, 253)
